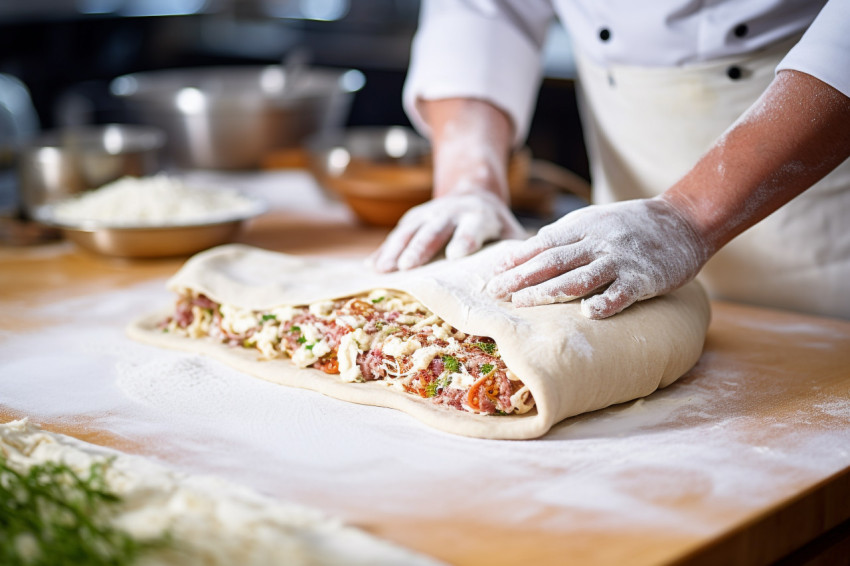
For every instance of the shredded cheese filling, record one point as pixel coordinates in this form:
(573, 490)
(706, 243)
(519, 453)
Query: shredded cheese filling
(384, 336)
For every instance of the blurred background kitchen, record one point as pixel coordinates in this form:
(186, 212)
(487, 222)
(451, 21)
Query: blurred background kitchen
(59, 61)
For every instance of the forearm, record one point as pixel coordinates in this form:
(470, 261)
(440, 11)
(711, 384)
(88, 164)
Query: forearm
(795, 134)
(471, 141)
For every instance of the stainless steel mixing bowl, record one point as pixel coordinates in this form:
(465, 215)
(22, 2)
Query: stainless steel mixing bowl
(153, 241)
(62, 163)
(231, 117)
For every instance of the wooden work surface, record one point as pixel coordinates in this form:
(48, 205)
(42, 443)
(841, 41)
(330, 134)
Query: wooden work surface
(773, 386)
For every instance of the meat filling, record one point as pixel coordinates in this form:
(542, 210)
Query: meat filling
(381, 336)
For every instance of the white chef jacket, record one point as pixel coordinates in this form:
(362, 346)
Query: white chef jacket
(491, 49)
(656, 88)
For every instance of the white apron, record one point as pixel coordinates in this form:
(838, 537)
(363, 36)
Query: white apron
(646, 127)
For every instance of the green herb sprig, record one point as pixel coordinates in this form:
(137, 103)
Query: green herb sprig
(50, 515)
(451, 364)
(435, 385)
(431, 388)
(486, 347)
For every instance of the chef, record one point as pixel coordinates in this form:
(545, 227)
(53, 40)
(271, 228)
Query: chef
(718, 135)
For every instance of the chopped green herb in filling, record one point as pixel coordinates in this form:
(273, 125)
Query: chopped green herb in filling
(269, 317)
(486, 347)
(431, 388)
(486, 368)
(451, 364)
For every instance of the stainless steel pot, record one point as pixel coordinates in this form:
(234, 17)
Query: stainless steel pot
(231, 117)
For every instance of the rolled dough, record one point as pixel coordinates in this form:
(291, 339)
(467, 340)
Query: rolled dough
(572, 365)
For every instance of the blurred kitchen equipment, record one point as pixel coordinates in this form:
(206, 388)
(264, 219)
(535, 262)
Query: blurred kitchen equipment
(231, 117)
(62, 163)
(18, 123)
(381, 172)
(561, 178)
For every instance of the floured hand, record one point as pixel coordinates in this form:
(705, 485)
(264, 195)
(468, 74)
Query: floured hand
(471, 141)
(460, 222)
(638, 249)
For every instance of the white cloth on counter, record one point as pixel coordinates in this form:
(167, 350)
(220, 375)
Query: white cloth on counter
(490, 49)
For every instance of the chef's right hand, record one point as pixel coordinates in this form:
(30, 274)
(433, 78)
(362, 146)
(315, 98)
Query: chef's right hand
(630, 250)
(462, 222)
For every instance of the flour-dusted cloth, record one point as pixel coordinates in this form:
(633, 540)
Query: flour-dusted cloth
(571, 364)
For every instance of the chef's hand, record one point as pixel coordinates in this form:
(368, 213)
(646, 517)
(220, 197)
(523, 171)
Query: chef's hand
(633, 250)
(460, 222)
(471, 142)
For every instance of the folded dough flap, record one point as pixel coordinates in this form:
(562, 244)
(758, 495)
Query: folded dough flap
(571, 364)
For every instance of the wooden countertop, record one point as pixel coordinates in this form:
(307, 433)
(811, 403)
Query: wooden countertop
(770, 399)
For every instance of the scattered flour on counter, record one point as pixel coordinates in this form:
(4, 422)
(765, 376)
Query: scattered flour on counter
(210, 522)
(159, 200)
(620, 468)
(839, 408)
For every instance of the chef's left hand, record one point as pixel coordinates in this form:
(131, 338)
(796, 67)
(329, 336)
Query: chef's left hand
(638, 249)
(466, 221)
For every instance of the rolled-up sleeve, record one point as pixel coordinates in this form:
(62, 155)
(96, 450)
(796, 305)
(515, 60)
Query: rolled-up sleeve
(824, 50)
(483, 49)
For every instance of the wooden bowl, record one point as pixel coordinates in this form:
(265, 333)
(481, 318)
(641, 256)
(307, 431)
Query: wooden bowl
(380, 194)
(381, 173)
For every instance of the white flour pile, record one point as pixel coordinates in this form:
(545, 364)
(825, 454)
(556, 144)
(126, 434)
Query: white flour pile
(160, 200)
(210, 522)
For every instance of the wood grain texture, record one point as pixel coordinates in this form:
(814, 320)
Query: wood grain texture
(760, 369)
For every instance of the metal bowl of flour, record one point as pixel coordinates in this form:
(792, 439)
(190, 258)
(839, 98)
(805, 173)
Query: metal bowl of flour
(153, 239)
(153, 242)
